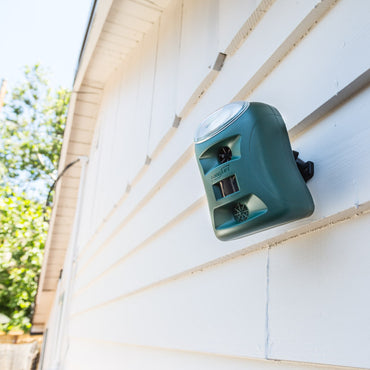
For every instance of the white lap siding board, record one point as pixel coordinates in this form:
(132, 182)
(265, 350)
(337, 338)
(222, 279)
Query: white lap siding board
(154, 289)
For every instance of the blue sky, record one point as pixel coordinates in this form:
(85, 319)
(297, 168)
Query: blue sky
(46, 31)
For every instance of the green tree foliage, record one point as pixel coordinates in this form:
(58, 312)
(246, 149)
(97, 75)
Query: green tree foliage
(31, 132)
(22, 238)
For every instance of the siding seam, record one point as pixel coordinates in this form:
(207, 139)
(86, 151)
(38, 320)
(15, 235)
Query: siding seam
(315, 226)
(267, 328)
(100, 341)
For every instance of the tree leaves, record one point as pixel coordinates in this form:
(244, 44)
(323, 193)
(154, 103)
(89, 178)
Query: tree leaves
(31, 133)
(22, 237)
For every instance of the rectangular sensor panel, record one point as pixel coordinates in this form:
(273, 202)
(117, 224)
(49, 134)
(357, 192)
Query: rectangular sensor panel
(225, 187)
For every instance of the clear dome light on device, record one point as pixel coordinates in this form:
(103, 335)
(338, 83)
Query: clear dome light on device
(219, 120)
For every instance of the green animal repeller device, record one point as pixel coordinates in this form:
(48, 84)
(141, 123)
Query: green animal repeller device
(253, 180)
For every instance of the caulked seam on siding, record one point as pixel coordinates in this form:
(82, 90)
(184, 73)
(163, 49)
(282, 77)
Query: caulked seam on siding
(267, 326)
(100, 341)
(316, 226)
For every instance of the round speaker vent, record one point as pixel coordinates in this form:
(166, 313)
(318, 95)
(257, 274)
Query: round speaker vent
(224, 154)
(240, 212)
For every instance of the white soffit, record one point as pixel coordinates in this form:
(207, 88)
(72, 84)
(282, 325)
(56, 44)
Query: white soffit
(124, 26)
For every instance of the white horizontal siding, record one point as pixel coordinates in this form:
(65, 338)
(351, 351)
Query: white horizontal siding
(318, 302)
(141, 357)
(161, 290)
(348, 179)
(192, 313)
(240, 23)
(322, 64)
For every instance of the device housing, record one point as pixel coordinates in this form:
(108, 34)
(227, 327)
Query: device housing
(249, 172)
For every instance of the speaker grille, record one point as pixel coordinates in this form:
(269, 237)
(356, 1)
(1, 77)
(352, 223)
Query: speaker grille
(240, 212)
(224, 154)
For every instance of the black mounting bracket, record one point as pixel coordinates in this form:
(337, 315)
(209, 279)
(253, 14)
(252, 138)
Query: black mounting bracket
(305, 168)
